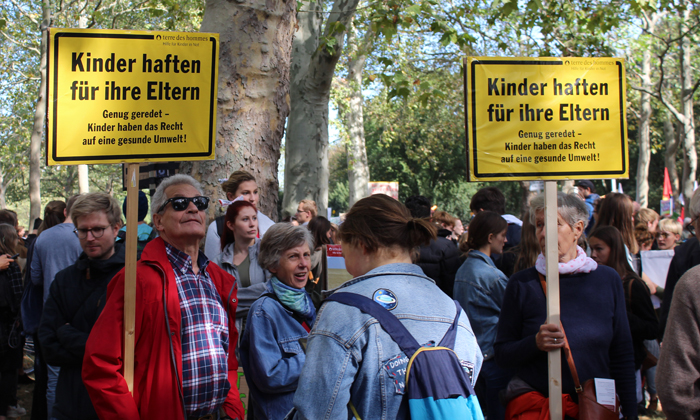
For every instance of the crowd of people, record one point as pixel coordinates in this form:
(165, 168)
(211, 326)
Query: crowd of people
(243, 291)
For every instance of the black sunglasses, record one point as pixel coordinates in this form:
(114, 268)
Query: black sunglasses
(181, 203)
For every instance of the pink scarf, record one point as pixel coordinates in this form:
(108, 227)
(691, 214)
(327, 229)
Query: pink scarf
(580, 264)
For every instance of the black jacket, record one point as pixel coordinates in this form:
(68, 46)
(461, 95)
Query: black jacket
(76, 299)
(687, 256)
(644, 325)
(440, 261)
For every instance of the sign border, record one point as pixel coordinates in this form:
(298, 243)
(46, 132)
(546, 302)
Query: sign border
(122, 157)
(471, 157)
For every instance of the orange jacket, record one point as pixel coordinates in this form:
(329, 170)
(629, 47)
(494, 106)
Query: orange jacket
(534, 406)
(158, 347)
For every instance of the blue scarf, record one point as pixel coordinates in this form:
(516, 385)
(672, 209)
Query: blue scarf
(296, 300)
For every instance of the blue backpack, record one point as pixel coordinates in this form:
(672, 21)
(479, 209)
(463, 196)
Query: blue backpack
(437, 386)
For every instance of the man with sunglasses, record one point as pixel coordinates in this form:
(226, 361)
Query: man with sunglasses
(76, 298)
(185, 367)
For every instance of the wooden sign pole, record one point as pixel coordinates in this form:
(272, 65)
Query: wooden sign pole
(132, 209)
(553, 308)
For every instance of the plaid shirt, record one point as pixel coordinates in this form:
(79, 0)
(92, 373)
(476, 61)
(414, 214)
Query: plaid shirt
(204, 335)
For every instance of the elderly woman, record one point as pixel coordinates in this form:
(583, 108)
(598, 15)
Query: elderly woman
(592, 312)
(270, 352)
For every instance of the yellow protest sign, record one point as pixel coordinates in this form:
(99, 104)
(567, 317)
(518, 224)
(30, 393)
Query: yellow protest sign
(131, 96)
(545, 118)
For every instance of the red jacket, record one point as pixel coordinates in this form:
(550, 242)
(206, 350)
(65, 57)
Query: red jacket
(158, 348)
(534, 406)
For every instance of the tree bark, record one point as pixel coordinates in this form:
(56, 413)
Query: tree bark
(253, 99)
(313, 66)
(688, 135)
(358, 168)
(643, 133)
(38, 128)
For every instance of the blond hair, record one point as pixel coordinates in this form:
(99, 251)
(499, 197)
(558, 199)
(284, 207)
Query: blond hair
(310, 206)
(93, 202)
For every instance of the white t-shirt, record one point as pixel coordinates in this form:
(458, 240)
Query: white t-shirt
(212, 244)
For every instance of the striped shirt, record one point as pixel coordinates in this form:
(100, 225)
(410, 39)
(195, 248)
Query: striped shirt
(204, 335)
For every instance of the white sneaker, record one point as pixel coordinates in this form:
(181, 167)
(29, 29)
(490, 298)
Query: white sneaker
(15, 411)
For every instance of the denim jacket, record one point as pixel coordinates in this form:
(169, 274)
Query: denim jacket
(479, 288)
(351, 358)
(272, 357)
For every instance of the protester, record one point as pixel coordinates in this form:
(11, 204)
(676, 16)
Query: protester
(306, 211)
(321, 232)
(644, 237)
(447, 224)
(592, 312)
(669, 233)
(239, 257)
(528, 248)
(11, 342)
(271, 355)
(240, 183)
(349, 358)
(492, 199)
(145, 233)
(479, 288)
(617, 210)
(678, 371)
(607, 248)
(439, 259)
(32, 307)
(55, 249)
(647, 217)
(184, 363)
(76, 299)
(686, 256)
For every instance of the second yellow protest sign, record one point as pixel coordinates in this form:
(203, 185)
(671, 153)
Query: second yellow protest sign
(545, 118)
(131, 96)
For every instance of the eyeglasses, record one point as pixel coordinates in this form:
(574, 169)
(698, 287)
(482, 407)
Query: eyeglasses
(97, 232)
(181, 203)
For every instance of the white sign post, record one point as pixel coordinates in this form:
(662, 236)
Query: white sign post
(553, 310)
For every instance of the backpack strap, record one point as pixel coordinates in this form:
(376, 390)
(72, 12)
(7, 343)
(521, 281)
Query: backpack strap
(386, 319)
(451, 335)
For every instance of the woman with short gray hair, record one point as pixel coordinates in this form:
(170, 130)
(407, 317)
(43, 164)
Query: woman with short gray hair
(270, 353)
(593, 312)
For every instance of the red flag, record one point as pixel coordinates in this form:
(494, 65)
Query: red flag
(668, 190)
(682, 216)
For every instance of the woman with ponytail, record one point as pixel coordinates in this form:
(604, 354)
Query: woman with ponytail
(479, 288)
(350, 360)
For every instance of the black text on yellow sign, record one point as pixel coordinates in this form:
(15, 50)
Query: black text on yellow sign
(545, 118)
(131, 96)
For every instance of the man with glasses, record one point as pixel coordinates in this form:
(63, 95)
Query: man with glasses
(55, 249)
(306, 211)
(184, 362)
(77, 297)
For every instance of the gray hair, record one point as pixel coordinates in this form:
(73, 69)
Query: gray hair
(279, 238)
(159, 197)
(570, 206)
(695, 204)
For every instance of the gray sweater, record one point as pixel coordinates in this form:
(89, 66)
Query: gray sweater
(55, 249)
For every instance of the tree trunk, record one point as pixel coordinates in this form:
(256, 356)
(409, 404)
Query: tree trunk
(525, 196)
(3, 190)
(358, 168)
(313, 66)
(670, 153)
(643, 133)
(688, 135)
(38, 128)
(253, 99)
